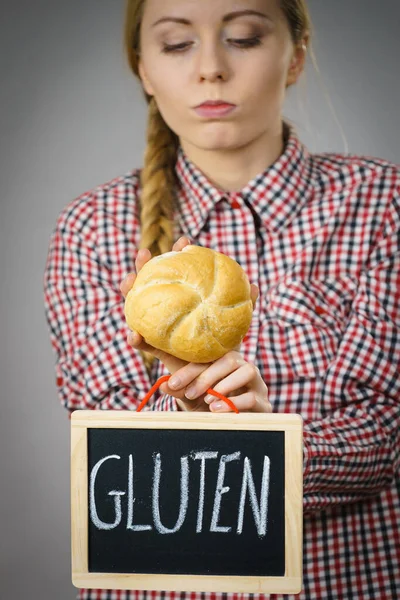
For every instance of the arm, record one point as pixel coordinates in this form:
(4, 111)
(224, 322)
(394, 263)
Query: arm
(354, 451)
(95, 366)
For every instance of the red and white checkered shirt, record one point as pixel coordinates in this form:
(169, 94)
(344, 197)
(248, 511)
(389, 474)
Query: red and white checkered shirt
(320, 236)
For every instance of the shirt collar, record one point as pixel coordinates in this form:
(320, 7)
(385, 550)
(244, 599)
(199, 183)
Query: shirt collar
(276, 194)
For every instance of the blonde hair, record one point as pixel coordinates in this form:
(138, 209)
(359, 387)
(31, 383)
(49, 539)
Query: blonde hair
(158, 177)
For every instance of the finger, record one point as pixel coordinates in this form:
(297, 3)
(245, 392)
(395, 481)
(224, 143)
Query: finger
(214, 372)
(254, 293)
(248, 402)
(127, 283)
(173, 363)
(192, 405)
(242, 377)
(137, 341)
(184, 377)
(142, 257)
(181, 243)
(184, 403)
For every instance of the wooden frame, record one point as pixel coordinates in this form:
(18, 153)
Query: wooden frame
(291, 424)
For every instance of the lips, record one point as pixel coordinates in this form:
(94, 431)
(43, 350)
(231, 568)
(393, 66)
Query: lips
(215, 109)
(214, 103)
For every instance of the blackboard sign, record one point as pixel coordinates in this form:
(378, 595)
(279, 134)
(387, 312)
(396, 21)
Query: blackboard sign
(186, 502)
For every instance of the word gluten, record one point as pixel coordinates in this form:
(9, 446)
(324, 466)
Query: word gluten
(259, 506)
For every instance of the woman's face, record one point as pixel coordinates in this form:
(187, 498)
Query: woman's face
(247, 60)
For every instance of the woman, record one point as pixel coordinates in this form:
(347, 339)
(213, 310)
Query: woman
(318, 236)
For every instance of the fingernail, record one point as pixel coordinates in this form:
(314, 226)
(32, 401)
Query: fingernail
(191, 392)
(174, 382)
(209, 398)
(216, 406)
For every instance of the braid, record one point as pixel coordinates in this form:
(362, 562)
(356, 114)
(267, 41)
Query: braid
(157, 199)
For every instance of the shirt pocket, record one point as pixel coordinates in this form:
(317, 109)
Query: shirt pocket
(309, 318)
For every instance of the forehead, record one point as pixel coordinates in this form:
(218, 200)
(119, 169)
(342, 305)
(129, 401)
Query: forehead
(205, 11)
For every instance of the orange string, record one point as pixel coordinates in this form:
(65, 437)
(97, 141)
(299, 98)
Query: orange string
(165, 378)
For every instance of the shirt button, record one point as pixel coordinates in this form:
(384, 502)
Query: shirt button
(59, 381)
(235, 204)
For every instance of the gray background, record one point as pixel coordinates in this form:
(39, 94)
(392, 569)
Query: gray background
(72, 117)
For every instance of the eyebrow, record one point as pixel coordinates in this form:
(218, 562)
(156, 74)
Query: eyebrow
(228, 17)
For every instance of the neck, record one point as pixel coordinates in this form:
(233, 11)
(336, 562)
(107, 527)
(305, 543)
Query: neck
(231, 170)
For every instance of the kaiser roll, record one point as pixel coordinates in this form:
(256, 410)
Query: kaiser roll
(194, 304)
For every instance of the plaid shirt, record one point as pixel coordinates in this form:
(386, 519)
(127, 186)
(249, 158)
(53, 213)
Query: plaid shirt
(320, 236)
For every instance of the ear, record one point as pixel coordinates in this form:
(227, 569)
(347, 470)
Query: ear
(297, 62)
(145, 80)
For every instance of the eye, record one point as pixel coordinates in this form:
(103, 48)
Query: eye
(175, 48)
(246, 42)
(241, 43)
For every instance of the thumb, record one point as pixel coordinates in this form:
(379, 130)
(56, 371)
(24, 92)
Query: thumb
(172, 363)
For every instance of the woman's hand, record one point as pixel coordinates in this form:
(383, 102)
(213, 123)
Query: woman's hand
(235, 378)
(230, 375)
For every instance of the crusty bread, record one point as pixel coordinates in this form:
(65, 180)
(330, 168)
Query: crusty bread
(194, 304)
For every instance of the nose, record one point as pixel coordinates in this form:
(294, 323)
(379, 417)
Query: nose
(211, 63)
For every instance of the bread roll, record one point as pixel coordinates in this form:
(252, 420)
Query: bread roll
(194, 304)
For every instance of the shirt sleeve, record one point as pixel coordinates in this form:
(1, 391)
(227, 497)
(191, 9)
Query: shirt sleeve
(95, 366)
(353, 452)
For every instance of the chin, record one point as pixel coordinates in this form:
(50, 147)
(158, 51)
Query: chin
(209, 145)
(214, 136)
(218, 138)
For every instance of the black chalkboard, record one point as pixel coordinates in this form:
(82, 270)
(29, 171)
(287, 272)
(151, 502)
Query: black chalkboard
(134, 501)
